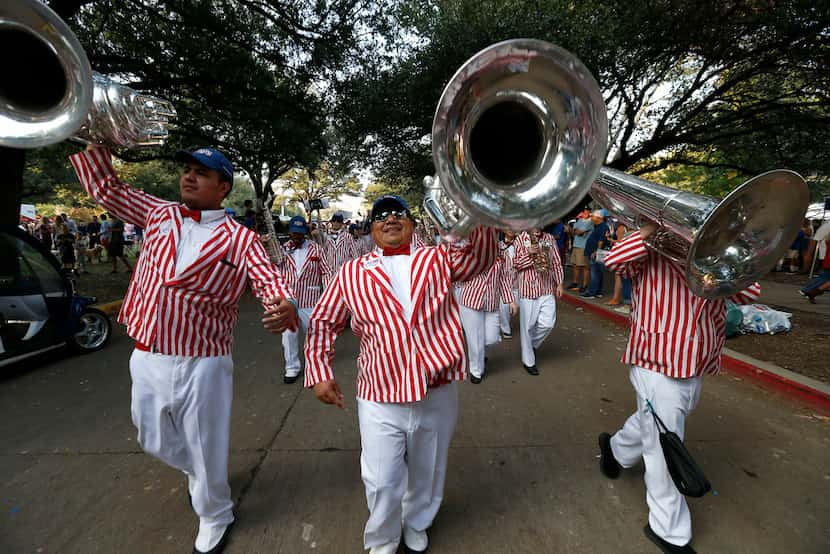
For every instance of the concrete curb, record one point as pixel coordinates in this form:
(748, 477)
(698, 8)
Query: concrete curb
(770, 376)
(110, 308)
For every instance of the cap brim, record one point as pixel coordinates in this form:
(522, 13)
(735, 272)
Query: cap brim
(185, 156)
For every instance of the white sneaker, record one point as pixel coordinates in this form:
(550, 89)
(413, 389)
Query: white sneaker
(388, 548)
(624, 309)
(417, 541)
(210, 536)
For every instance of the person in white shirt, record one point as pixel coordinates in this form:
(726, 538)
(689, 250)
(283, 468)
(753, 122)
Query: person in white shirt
(304, 267)
(411, 357)
(180, 308)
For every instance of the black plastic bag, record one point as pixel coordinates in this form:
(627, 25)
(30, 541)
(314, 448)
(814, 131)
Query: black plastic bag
(687, 475)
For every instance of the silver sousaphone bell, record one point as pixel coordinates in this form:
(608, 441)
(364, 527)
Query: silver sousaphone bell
(519, 134)
(48, 92)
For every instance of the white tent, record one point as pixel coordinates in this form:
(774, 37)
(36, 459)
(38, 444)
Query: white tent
(28, 212)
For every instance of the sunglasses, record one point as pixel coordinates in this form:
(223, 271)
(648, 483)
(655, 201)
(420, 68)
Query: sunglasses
(396, 214)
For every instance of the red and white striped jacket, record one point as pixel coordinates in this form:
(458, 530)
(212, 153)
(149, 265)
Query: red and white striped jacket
(193, 313)
(338, 251)
(673, 332)
(307, 284)
(532, 283)
(486, 291)
(399, 360)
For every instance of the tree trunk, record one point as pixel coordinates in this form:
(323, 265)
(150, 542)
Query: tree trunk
(12, 163)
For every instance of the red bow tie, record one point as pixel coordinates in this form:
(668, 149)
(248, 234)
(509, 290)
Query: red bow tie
(397, 251)
(195, 215)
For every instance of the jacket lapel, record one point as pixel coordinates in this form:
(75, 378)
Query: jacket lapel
(170, 243)
(312, 252)
(420, 278)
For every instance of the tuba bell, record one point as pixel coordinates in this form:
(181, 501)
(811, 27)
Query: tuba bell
(518, 136)
(722, 245)
(54, 94)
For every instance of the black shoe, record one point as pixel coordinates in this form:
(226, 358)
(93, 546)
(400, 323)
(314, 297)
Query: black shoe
(475, 380)
(290, 380)
(220, 546)
(665, 546)
(532, 369)
(608, 464)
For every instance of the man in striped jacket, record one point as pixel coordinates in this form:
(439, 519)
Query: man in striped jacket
(537, 287)
(411, 355)
(480, 299)
(675, 338)
(180, 309)
(304, 267)
(340, 246)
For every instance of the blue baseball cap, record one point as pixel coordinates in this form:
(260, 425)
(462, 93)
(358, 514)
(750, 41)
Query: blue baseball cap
(388, 202)
(297, 224)
(208, 157)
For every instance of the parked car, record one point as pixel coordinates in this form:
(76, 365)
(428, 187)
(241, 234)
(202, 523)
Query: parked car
(39, 309)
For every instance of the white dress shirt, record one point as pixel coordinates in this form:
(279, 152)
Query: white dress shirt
(194, 235)
(398, 268)
(299, 254)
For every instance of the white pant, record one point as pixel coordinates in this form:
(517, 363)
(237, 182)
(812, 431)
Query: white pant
(672, 399)
(291, 344)
(481, 329)
(181, 406)
(537, 317)
(403, 461)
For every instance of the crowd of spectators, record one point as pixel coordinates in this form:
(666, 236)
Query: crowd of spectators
(101, 239)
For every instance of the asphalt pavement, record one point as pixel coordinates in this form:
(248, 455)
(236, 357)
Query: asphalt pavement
(523, 470)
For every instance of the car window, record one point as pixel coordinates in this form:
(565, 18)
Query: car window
(26, 270)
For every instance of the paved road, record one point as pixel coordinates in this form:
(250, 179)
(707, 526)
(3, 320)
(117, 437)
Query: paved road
(523, 471)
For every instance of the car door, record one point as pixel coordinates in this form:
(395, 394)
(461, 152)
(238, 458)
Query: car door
(34, 298)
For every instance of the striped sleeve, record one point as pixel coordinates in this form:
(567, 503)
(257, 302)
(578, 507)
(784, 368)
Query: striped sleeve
(747, 296)
(475, 257)
(100, 181)
(628, 256)
(522, 260)
(326, 322)
(505, 285)
(267, 281)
